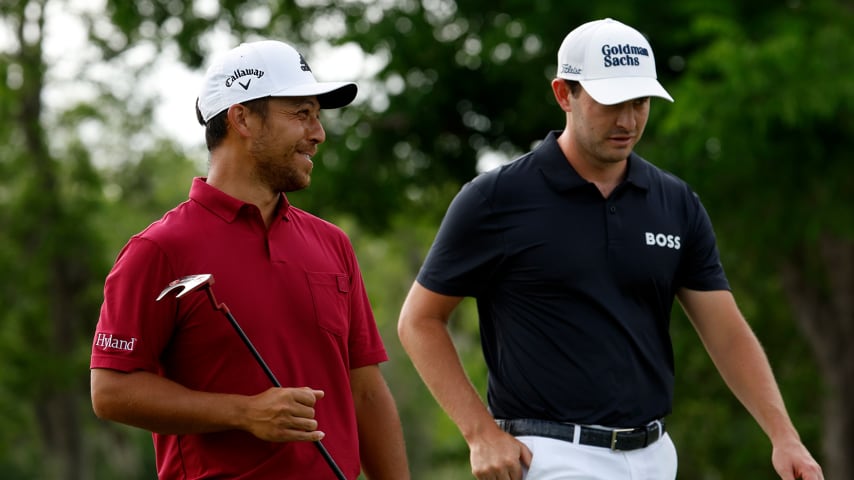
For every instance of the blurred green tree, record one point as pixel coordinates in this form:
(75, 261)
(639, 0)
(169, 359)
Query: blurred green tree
(759, 129)
(762, 115)
(48, 254)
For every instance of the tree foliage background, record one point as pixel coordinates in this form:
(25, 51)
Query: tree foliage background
(762, 119)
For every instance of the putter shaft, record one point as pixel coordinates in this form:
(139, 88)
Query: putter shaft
(196, 282)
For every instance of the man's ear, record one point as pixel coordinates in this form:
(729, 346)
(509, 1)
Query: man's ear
(562, 94)
(238, 118)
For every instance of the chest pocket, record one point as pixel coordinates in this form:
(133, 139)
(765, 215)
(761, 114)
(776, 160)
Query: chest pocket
(330, 294)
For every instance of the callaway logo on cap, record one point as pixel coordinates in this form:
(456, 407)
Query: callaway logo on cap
(612, 61)
(266, 68)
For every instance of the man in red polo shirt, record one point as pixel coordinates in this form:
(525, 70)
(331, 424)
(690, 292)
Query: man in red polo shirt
(177, 368)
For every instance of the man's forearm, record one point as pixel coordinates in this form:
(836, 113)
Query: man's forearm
(746, 370)
(433, 353)
(151, 402)
(382, 449)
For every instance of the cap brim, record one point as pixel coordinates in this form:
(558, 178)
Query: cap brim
(329, 94)
(611, 91)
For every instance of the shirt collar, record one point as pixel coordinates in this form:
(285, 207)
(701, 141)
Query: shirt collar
(639, 172)
(561, 176)
(224, 205)
(557, 171)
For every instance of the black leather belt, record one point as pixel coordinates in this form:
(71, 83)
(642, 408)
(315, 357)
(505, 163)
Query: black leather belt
(613, 438)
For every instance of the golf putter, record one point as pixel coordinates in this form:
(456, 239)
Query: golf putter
(192, 283)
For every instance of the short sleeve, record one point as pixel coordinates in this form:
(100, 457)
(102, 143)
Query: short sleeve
(701, 268)
(133, 328)
(468, 247)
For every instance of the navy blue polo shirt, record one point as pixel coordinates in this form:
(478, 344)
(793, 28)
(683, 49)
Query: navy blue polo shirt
(574, 291)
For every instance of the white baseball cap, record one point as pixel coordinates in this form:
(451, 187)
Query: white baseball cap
(612, 61)
(266, 68)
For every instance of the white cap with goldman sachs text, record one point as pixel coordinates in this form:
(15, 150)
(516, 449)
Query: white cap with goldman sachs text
(612, 61)
(266, 68)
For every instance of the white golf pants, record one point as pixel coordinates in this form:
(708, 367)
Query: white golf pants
(561, 460)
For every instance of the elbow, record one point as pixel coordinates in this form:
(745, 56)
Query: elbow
(404, 329)
(100, 409)
(100, 405)
(401, 327)
(102, 395)
(413, 327)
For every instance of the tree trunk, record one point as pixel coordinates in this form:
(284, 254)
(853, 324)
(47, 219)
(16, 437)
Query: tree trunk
(56, 405)
(824, 309)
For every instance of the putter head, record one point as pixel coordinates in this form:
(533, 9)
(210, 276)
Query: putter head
(187, 284)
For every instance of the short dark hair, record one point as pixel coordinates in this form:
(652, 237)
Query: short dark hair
(217, 126)
(574, 87)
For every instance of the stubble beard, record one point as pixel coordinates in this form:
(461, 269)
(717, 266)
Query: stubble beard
(281, 173)
(602, 154)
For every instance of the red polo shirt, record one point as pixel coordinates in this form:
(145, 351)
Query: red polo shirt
(297, 292)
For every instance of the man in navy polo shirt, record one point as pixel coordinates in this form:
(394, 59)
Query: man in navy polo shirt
(178, 369)
(575, 253)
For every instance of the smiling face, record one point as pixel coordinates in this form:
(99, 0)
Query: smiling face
(286, 141)
(606, 134)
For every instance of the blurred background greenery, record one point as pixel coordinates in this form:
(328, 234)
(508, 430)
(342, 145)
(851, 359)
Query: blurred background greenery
(761, 128)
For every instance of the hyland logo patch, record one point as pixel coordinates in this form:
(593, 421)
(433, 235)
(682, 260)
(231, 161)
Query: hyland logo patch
(623, 55)
(109, 342)
(239, 73)
(664, 241)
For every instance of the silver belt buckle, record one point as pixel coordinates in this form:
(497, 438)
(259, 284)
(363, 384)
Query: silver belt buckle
(614, 433)
(655, 426)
